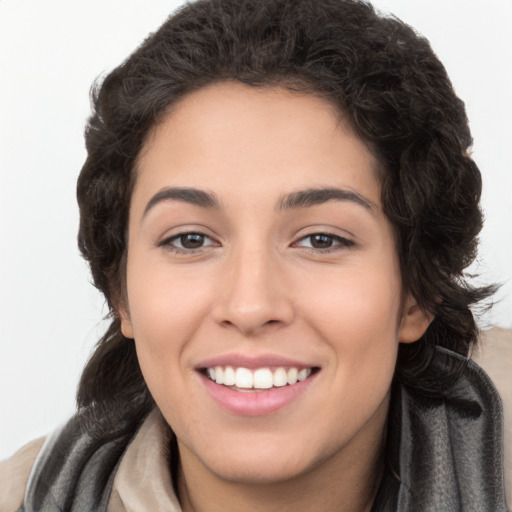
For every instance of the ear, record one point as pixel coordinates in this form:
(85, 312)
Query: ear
(414, 322)
(126, 323)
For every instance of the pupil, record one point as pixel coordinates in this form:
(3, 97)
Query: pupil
(321, 241)
(192, 240)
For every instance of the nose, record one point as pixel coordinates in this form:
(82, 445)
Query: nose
(254, 296)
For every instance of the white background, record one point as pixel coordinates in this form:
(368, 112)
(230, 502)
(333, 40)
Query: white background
(50, 52)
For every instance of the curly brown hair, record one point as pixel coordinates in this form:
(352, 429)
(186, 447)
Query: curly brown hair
(390, 87)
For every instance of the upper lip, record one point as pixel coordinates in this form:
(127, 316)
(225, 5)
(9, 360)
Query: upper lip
(251, 362)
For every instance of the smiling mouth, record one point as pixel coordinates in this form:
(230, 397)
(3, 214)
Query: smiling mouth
(257, 379)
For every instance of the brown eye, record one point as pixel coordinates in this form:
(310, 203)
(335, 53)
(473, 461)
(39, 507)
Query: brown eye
(321, 241)
(324, 242)
(191, 240)
(184, 242)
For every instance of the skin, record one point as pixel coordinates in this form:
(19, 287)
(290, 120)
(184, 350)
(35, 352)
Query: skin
(260, 285)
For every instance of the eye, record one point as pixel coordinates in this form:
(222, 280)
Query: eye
(324, 242)
(184, 242)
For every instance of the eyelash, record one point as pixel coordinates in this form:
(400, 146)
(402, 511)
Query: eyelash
(337, 243)
(168, 243)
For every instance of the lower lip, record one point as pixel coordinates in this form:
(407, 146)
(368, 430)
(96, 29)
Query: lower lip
(256, 403)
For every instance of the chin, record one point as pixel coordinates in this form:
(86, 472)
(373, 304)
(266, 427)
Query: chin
(261, 463)
(265, 471)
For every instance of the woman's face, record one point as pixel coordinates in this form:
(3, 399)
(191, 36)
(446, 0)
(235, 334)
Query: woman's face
(259, 255)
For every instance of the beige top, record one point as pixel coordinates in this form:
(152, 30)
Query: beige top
(143, 482)
(494, 355)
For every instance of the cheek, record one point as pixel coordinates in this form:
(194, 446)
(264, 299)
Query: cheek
(163, 305)
(360, 303)
(165, 314)
(358, 317)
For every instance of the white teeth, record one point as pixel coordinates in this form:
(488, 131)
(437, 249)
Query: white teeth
(261, 378)
(291, 377)
(229, 376)
(243, 378)
(304, 374)
(280, 378)
(219, 375)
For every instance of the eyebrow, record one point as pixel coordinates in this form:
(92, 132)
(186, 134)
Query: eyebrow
(187, 195)
(313, 197)
(295, 200)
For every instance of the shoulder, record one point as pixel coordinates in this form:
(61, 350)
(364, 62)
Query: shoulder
(71, 469)
(76, 466)
(14, 474)
(494, 356)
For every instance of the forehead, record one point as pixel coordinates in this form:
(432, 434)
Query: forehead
(233, 137)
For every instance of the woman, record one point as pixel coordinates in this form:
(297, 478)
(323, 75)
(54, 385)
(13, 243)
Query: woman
(278, 205)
